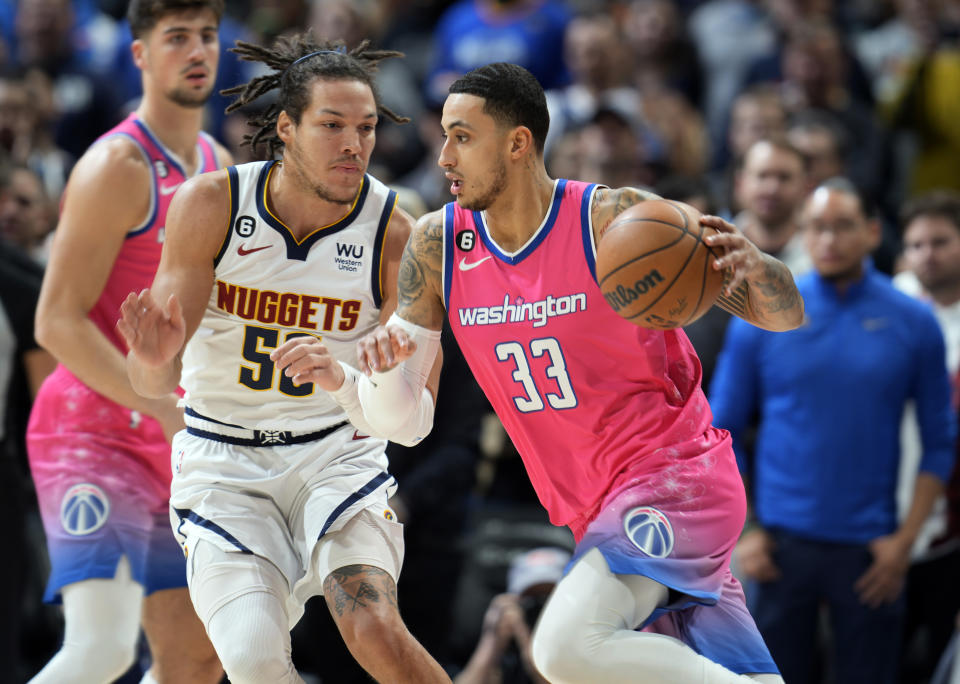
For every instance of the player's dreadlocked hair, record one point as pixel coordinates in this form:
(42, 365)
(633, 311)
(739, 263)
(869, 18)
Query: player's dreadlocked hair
(296, 61)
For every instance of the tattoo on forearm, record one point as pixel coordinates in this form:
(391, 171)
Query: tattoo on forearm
(766, 298)
(776, 290)
(355, 587)
(735, 303)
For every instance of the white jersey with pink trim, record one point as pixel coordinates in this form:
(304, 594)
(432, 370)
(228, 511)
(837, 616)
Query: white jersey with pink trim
(586, 396)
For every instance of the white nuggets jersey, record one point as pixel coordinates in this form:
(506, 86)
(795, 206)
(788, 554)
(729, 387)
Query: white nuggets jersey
(269, 287)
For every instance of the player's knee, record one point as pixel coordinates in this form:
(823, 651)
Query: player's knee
(366, 631)
(104, 660)
(246, 664)
(558, 658)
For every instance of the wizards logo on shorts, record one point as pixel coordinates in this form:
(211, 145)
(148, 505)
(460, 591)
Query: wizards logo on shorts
(84, 509)
(649, 530)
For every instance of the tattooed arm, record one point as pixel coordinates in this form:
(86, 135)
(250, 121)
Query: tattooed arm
(759, 288)
(420, 281)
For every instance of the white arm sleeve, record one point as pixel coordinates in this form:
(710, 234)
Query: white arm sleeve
(396, 404)
(349, 399)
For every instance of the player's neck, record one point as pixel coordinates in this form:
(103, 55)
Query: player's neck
(176, 127)
(520, 209)
(299, 209)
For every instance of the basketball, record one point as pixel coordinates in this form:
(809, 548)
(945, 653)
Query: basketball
(654, 268)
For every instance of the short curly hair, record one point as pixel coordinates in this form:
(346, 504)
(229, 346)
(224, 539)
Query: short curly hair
(143, 15)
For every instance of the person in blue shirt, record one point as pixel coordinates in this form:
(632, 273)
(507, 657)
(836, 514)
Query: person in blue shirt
(829, 396)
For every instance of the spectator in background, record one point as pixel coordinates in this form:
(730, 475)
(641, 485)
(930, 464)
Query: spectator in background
(820, 138)
(756, 114)
(927, 109)
(729, 35)
(815, 68)
(613, 153)
(472, 33)
(27, 215)
(770, 186)
(84, 102)
(502, 655)
(888, 51)
(825, 143)
(931, 261)
(830, 396)
(27, 122)
(663, 56)
(23, 366)
(597, 59)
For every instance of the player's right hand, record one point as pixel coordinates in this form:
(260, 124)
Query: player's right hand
(304, 358)
(383, 348)
(753, 555)
(154, 333)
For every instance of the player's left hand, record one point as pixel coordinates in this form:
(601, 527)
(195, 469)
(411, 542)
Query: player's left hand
(383, 348)
(884, 579)
(306, 359)
(741, 258)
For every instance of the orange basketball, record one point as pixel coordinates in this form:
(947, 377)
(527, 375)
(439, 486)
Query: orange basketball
(654, 268)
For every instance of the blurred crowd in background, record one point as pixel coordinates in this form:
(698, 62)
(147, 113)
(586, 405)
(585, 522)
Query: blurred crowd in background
(739, 107)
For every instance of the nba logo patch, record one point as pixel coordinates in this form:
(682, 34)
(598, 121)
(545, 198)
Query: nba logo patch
(179, 466)
(84, 509)
(649, 530)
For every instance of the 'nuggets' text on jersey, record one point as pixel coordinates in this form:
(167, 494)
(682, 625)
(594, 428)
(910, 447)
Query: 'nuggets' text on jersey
(288, 309)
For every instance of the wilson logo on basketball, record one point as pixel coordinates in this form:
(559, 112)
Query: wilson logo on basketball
(623, 297)
(649, 530)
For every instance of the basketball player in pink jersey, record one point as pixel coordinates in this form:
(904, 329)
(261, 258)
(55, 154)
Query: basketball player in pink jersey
(100, 453)
(609, 418)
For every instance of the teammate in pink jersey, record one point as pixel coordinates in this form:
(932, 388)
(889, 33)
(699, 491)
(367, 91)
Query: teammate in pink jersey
(100, 453)
(609, 418)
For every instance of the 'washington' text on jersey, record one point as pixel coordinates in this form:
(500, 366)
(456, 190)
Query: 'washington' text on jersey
(538, 312)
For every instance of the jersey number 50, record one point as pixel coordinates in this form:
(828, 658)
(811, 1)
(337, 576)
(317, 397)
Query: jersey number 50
(257, 345)
(565, 398)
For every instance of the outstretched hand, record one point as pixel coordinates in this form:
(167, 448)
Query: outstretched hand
(384, 348)
(740, 257)
(153, 333)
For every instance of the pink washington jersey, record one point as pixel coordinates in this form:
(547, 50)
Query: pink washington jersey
(102, 471)
(137, 262)
(587, 397)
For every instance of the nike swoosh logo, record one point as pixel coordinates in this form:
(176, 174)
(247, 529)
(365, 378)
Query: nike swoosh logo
(169, 189)
(464, 266)
(244, 252)
(357, 435)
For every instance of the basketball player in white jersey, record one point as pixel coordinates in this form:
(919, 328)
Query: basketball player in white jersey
(276, 496)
